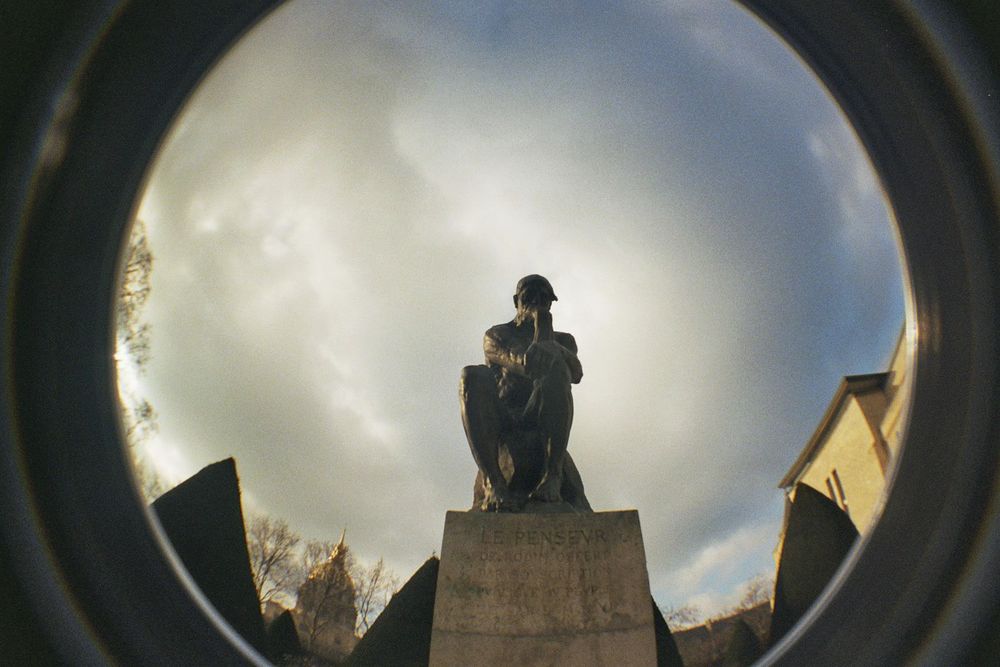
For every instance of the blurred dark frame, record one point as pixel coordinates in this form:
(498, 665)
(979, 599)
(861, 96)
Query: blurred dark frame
(87, 91)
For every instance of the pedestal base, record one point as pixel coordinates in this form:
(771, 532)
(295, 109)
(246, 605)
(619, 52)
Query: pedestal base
(542, 589)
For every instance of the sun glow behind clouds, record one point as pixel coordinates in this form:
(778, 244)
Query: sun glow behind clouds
(353, 193)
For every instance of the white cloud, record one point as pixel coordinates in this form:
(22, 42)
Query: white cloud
(858, 195)
(172, 461)
(714, 579)
(721, 559)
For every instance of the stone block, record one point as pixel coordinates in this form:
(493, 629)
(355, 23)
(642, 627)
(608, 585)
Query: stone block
(543, 589)
(818, 536)
(401, 635)
(667, 654)
(203, 518)
(282, 637)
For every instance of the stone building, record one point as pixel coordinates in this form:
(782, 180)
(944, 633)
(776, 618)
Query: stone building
(850, 455)
(325, 612)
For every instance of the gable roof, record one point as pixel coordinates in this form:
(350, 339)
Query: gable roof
(850, 386)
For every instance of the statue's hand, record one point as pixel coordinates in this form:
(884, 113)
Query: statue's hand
(539, 358)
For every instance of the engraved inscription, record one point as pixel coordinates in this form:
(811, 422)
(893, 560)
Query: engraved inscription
(518, 574)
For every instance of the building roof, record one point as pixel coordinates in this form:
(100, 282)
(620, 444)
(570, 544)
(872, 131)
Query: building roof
(850, 386)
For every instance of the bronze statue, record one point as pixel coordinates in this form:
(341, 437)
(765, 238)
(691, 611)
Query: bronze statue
(517, 410)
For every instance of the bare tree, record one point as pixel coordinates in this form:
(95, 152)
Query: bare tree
(133, 349)
(375, 587)
(140, 423)
(682, 617)
(314, 552)
(325, 608)
(756, 591)
(133, 332)
(271, 544)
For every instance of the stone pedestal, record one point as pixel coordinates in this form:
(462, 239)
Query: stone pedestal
(542, 589)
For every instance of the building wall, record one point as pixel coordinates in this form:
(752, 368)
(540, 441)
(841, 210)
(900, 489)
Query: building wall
(897, 393)
(861, 442)
(849, 456)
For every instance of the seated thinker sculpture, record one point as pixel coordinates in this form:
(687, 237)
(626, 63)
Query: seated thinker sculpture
(517, 410)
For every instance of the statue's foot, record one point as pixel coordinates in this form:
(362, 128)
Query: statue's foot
(501, 502)
(507, 505)
(548, 489)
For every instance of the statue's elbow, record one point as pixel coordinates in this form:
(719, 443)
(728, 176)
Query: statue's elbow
(473, 381)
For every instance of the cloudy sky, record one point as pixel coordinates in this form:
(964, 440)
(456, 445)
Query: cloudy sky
(345, 205)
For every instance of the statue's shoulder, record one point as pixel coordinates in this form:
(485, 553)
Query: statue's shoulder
(565, 339)
(501, 334)
(501, 331)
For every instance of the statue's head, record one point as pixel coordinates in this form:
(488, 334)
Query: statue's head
(533, 292)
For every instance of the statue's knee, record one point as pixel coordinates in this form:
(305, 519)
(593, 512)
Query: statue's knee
(558, 378)
(563, 373)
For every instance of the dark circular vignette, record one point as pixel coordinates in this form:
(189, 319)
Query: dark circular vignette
(94, 89)
(86, 93)
(918, 80)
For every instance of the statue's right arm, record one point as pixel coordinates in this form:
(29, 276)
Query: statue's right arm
(502, 352)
